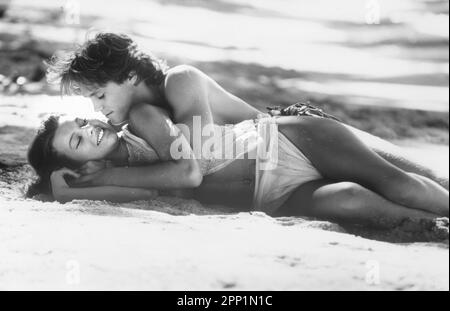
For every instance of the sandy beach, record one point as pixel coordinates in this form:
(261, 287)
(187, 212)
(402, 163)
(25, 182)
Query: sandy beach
(83, 246)
(176, 244)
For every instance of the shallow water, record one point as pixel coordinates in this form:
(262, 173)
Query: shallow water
(404, 58)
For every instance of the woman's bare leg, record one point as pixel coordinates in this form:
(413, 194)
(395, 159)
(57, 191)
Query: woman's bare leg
(349, 203)
(339, 155)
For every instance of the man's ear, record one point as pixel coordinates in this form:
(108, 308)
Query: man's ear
(132, 78)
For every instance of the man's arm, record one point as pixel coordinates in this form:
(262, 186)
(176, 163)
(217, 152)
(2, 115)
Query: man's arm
(206, 95)
(187, 91)
(178, 167)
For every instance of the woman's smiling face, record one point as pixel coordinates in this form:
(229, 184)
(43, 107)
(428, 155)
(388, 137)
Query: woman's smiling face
(85, 140)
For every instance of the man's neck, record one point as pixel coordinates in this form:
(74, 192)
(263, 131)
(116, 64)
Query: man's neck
(145, 93)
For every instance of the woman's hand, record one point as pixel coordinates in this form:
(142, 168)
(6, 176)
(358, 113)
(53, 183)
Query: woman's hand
(59, 184)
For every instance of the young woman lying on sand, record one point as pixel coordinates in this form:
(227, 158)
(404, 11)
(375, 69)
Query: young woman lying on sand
(324, 169)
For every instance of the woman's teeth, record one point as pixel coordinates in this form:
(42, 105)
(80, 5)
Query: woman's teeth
(100, 136)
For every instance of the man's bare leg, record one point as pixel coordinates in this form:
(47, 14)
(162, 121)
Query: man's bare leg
(396, 156)
(350, 203)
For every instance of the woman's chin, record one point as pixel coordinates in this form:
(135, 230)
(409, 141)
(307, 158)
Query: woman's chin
(109, 137)
(110, 142)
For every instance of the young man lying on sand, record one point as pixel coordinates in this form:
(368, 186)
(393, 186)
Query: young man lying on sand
(323, 168)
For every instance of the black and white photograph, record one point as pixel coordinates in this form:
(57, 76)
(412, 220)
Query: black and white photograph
(224, 147)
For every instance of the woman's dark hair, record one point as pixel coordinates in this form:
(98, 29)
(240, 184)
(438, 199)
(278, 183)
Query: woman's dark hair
(108, 57)
(44, 159)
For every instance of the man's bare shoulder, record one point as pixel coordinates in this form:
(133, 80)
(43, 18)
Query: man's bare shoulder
(183, 80)
(183, 70)
(185, 87)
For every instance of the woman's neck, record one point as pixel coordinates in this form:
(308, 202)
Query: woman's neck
(119, 156)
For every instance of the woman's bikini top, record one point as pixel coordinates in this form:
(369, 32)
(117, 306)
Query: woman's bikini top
(229, 143)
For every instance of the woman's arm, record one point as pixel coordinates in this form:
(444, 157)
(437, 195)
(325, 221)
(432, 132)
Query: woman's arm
(105, 193)
(63, 193)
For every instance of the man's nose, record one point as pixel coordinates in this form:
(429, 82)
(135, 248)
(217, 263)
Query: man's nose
(97, 105)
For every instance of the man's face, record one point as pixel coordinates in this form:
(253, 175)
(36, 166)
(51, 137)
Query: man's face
(113, 100)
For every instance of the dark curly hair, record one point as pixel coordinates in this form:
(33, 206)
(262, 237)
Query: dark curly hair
(44, 159)
(108, 57)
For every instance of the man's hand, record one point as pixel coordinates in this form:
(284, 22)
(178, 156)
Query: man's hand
(96, 179)
(92, 167)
